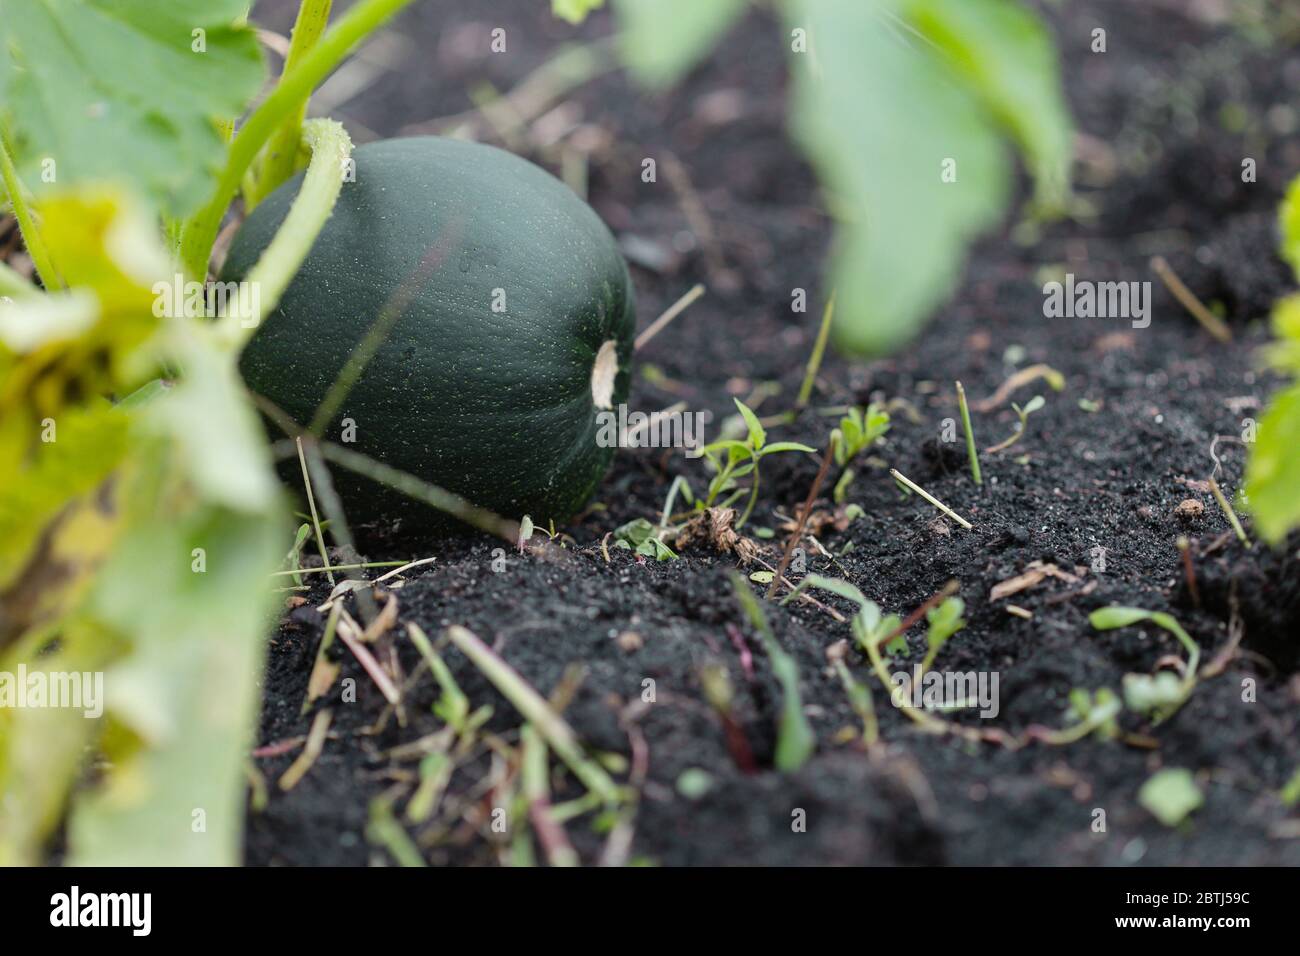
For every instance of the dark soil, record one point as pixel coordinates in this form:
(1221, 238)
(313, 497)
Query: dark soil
(1169, 114)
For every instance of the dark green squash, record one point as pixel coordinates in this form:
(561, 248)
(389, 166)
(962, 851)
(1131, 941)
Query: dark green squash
(497, 406)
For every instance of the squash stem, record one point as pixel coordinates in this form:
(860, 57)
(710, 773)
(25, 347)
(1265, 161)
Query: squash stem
(331, 147)
(200, 230)
(26, 223)
(280, 157)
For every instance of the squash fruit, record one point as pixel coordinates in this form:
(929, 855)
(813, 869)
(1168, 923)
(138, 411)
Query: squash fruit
(515, 328)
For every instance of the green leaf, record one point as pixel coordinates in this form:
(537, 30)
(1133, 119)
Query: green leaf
(757, 436)
(635, 532)
(1273, 473)
(1284, 354)
(574, 11)
(795, 740)
(1001, 52)
(116, 90)
(779, 446)
(945, 621)
(654, 548)
(1289, 223)
(662, 39)
(886, 94)
(1109, 618)
(1170, 795)
(834, 585)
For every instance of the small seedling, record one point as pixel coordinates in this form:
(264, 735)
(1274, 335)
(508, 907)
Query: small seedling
(795, 741)
(945, 621)
(858, 431)
(716, 683)
(970, 435)
(1031, 406)
(1171, 795)
(742, 458)
(1156, 695)
(860, 700)
(1094, 713)
(641, 536)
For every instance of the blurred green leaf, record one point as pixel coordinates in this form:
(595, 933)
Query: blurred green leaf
(185, 694)
(889, 97)
(662, 39)
(574, 11)
(1170, 795)
(1289, 221)
(126, 90)
(1273, 475)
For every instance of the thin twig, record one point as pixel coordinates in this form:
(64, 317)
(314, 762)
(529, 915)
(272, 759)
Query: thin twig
(315, 744)
(1209, 321)
(311, 504)
(670, 313)
(1189, 572)
(803, 519)
(930, 498)
(1224, 504)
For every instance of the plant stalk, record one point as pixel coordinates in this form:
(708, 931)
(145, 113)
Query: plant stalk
(200, 230)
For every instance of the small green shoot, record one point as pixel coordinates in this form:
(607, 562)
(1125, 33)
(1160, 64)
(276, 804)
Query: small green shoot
(1031, 406)
(795, 741)
(294, 558)
(860, 700)
(1290, 793)
(819, 350)
(385, 830)
(742, 460)
(1171, 795)
(537, 711)
(453, 706)
(970, 435)
(945, 621)
(1157, 695)
(1096, 712)
(642, 537)
(860, 430)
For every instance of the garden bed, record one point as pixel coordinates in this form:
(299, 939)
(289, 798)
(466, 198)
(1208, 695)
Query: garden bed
(1093, 488)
